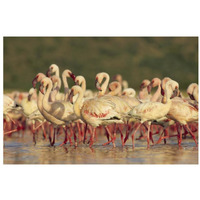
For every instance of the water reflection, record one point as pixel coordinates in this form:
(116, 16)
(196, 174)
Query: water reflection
(19, 149)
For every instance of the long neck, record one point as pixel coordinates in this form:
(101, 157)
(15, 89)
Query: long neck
(57, 73)
(77, 103)
(66, 86)
(55, 90)
(83, 85)
(196, 93)
(143, 93)
(157, 94)
(39, 101)
(104, 85)
(168, 93)
(45, 101)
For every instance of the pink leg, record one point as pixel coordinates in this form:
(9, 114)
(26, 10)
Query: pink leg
(133, 135)
(79, 132)
(193, 136)
(66, 137)
(149, 125)
(85, 133)
(92, 137)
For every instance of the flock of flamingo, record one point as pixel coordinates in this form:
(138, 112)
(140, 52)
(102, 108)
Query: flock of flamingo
(113, 110)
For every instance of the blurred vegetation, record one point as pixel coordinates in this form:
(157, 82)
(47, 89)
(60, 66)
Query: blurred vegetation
(135, 58)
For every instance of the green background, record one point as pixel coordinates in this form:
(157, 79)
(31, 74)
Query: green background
(135, 58)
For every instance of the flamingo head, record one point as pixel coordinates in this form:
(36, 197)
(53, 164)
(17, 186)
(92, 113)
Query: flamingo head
(37, 79)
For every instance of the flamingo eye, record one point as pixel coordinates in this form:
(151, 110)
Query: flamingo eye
(51, 68)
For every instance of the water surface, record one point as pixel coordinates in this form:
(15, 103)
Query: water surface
(20, 149)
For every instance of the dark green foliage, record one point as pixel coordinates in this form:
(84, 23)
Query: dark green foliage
(136, 58)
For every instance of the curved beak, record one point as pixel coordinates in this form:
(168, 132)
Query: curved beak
(77, 83)
(191, 96)
(42, 89)
(70, 97)
(97, 85)
(73, 76)
(141, 86)
(175, 93)
(34, 82)
(162, 91)
(48, 73)
(149, 87)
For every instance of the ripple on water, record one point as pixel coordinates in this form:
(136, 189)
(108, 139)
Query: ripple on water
(21, 150)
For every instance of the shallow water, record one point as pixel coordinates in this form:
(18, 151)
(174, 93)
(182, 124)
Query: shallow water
(19, 149)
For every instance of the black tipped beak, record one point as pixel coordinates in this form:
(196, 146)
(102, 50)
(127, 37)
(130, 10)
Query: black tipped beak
(175, 93)
(191, 96)
(34, 83)
(42, 89)
(97, 85)
(48, 73)
(73, 76)
(149, 87)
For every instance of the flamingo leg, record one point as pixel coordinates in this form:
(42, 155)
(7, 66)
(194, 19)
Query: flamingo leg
(179, 129)
(33, 130)
(79, 132)
(44, 131)
(66, 137)
(85, 133)
(148, 132)
(92, 137)
(193, 136)
(121, 133)
(107, 129)
(133, 135)
(54, 136)
(127, 133)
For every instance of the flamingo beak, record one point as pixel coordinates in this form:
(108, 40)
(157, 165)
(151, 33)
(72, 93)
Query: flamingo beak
(77, 82)
(175, 93)
(149, 87)
(42, 89)
(162, 91)
(73, 76)
(191, 96)
(48, 73)
(97, 85)
(70, 97)
(34, 82)
(141, 86)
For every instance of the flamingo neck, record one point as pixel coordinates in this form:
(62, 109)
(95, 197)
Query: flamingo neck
(45, 101)
(77, 103)
(143, 93)
(157, 94)
(66, 86)
(196, 94)
(39, 101)
(105, 84)
(83, 86)
(55, 90)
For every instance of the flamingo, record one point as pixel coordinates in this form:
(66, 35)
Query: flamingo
(61, 110)
(183, 113)
(121, 107)
(150, 111)
(193, 92)
(50, 118)
(95, 111)
(130, 92)
(143, 93)
(8, 106)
